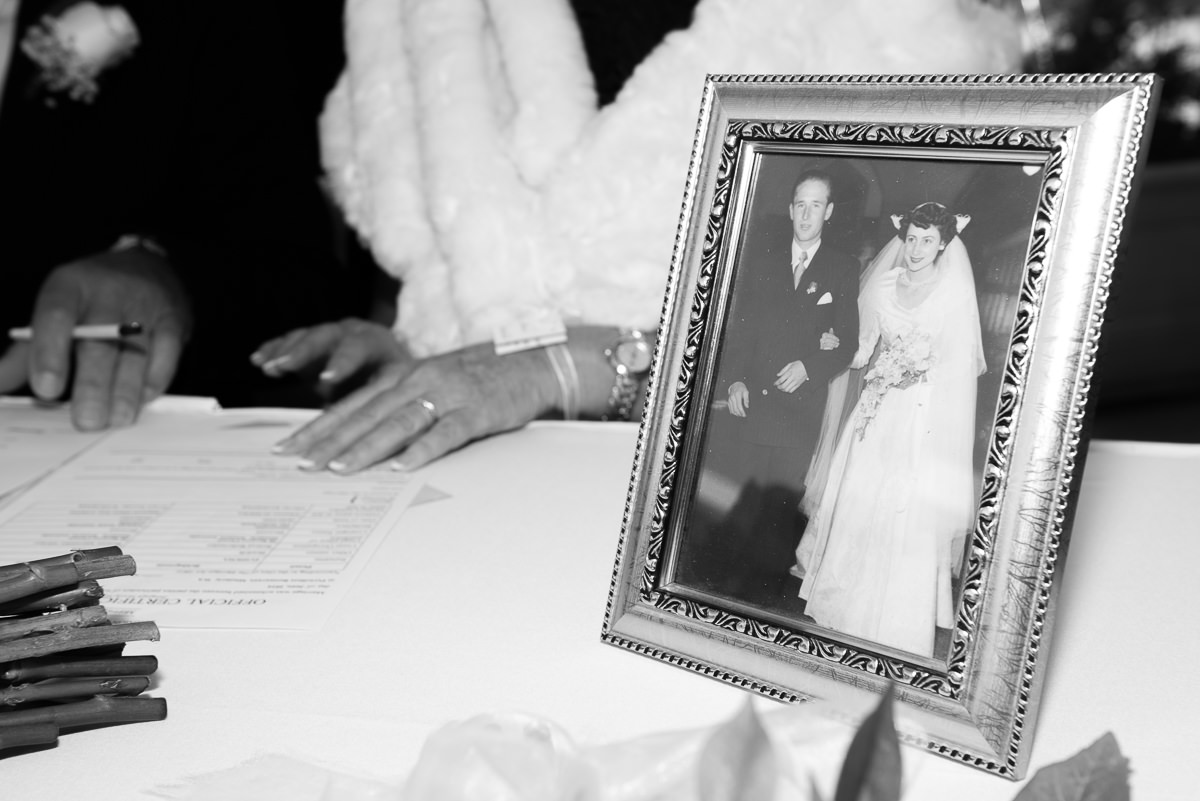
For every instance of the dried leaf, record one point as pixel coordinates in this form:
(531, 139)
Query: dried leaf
(871, 771)
(1099, 772)
(738, 761)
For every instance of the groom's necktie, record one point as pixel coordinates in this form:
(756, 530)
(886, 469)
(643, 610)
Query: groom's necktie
(798, 268)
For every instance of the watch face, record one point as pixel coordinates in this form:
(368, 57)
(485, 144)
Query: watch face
(634, 354)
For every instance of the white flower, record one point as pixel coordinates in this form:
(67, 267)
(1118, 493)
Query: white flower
(903, 362)
(79, 44)
(99, 36)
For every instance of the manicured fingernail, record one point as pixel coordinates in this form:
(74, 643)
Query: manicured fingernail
(275, 364)
(89, 420)
(400, 466)
(306, 464)
(122, 416)
(338, 467)
(45, 385)
(327, 375)
(285, 445)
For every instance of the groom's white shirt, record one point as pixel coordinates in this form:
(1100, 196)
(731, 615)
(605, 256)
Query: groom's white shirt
(808, 254)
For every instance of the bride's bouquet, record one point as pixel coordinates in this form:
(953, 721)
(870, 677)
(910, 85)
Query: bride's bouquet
(903, 362)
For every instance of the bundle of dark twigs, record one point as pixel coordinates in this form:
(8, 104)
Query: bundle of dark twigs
(61, 662)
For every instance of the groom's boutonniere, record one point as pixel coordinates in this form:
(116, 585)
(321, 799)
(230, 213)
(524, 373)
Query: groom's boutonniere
(78, 44)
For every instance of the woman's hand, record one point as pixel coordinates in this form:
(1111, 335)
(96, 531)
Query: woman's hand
(420, 410)
(342, 350)
(830, 341)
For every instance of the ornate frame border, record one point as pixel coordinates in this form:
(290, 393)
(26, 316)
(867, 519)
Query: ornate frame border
(1029, 478)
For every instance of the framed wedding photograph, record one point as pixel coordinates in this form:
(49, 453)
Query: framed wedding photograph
(868, 408)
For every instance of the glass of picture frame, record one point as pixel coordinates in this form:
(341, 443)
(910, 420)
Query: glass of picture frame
(868, 407)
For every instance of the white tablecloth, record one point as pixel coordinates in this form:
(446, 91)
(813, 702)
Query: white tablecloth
(491, 600)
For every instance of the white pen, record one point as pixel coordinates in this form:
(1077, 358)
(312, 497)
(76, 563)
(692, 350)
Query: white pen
(113, 331)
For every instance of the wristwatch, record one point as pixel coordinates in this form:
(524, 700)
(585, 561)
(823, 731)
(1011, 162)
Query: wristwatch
(629, 357)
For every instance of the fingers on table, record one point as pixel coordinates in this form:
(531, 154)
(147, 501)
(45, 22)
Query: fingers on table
(296, 349)
(448, 433)
(411, 427)
(165, 350)
(50, 358)
(349, 356)
(341, 414)
(96, 372)
(128, 385)
(370, 434)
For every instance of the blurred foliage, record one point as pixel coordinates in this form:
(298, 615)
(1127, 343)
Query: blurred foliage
(1159, 36)
(872, 770)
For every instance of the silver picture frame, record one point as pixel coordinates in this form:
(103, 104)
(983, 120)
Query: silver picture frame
(696, 582)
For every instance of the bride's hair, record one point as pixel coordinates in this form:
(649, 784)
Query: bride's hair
(931, 215)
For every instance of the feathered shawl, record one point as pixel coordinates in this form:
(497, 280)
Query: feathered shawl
(464, 143)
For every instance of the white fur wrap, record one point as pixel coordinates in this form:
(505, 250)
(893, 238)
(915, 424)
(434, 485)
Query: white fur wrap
(464, 144)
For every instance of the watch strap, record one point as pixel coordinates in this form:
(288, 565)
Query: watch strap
(623, 395)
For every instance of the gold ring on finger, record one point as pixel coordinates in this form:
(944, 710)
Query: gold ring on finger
(430, 408)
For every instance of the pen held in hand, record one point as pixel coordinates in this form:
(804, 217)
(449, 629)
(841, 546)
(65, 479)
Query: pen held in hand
(107, 331)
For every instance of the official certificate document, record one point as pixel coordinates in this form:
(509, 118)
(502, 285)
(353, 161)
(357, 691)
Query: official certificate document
(35, 441)
(225, 534)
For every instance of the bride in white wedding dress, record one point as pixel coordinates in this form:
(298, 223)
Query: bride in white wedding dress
(888, 525)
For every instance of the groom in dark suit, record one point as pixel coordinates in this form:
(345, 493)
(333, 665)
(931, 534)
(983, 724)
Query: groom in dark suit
(173, 183)
(791, 289)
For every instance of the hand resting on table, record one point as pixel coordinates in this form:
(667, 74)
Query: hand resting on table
(415, 410)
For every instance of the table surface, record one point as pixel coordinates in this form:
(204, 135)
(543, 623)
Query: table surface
(491, 600)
